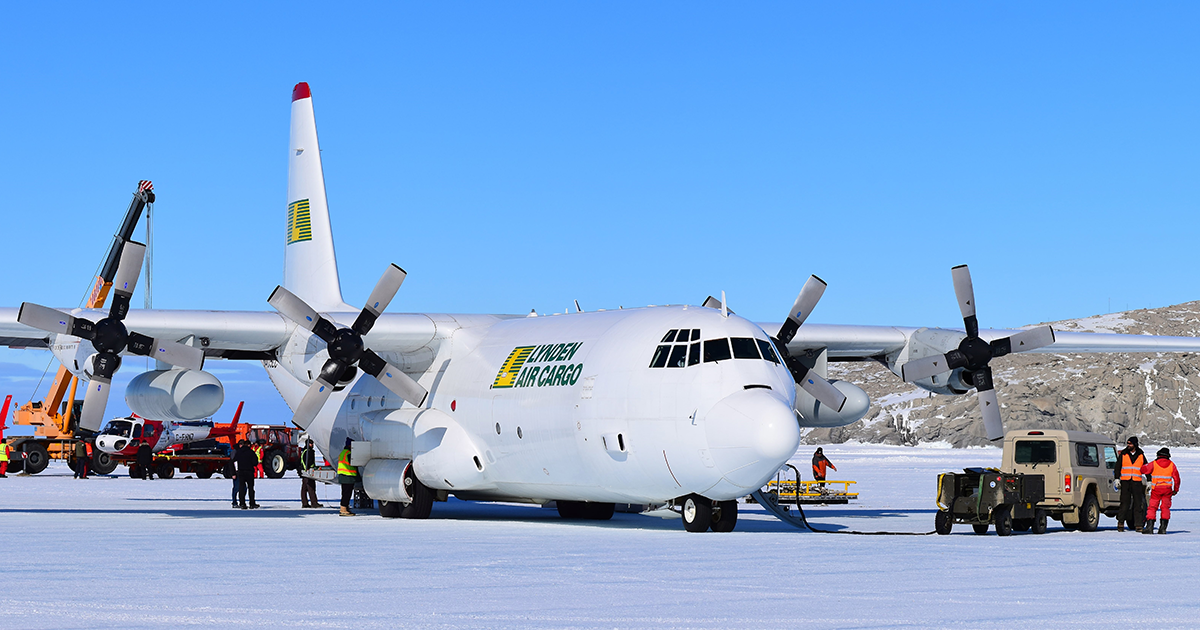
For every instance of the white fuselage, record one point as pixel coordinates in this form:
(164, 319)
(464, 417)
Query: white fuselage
(569, 407)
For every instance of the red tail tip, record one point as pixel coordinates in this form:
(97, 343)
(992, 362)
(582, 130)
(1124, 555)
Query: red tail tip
(300, 91)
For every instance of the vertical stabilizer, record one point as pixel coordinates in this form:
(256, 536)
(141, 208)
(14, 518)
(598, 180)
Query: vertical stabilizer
(309, 263)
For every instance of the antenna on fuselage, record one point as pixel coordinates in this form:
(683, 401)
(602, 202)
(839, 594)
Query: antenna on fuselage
(577, 309)
(724, 306)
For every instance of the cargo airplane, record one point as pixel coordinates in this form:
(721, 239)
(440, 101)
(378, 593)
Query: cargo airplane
(690, 405)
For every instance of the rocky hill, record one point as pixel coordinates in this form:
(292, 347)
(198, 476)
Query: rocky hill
(1156, 397)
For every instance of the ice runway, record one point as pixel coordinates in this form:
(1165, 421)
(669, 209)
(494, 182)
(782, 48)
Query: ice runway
(117, 552)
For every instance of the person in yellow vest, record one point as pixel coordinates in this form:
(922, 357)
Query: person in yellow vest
(259, 449)
(1133, 494)
(5, 449)
(1164, 479)
(347, 476)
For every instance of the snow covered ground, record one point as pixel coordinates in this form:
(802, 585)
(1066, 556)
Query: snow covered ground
(123, 553)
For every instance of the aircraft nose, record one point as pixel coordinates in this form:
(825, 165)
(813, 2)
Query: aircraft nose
(750, 435)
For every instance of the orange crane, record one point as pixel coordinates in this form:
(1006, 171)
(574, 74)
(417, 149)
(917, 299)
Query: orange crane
(55, 419)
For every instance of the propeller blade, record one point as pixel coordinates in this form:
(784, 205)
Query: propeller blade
(990, 408)
(379, 299)
(965, 292)
(925, 367)
(1024, 341)
(314, 399)
(392, 378)
(54, 321)
(300, 312)
(176, 354)
(95, 401)
(822, 390)
(130, 267)
(809, 295)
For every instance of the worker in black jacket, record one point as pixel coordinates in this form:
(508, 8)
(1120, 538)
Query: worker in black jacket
(246, 462)
(145, 460)
(1133, 493)
(308, 486)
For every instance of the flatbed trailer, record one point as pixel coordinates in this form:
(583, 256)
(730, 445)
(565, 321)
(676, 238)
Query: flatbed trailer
(800, 492)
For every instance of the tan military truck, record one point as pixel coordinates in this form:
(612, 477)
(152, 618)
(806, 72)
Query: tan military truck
(1078, 466)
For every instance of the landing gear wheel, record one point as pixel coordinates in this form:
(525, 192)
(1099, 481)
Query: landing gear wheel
(980, 528)
(571, 510)
(274, 463)
(697, 513)
(943, 522)
(103, 463)
(164, 469)
(204, 472)
(1002, 515)
(1039, 522)
(36, 457)
(422, 503)
(390, 509)
(724, 516)
(600, 511)
(1089, 514)
(135, 471)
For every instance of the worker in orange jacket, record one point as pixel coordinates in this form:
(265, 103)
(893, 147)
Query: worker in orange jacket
(1164, 479)
(1133, 494)
(5, 453)
(259, 449)
(819, 464)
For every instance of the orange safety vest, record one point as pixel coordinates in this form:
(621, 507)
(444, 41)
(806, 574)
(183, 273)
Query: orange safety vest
(1132, 470)
(1163, 475)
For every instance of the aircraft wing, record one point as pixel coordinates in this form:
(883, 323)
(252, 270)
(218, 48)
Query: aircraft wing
(850, 343)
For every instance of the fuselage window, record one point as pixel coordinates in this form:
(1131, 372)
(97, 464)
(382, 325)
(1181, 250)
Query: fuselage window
(767, 351)
(694, 355)
(678, 357)
(669, 337)
(137, 430)
(745, 348)
(716, 350)
(660, 356)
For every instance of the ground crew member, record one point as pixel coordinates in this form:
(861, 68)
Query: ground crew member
(247, 462)
(81, 460)
(1133, 493)
(144, 460)
(347, 476)
(1164, 479)
(308, 485)
(237, 483)
(819, 463)
(259, 449)
(5, 449)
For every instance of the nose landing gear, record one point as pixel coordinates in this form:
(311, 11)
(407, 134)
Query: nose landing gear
(701, 514)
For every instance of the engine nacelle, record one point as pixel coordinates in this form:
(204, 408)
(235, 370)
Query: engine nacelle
(445, 455)
(175, 394)
(814, 414)
(929, 342)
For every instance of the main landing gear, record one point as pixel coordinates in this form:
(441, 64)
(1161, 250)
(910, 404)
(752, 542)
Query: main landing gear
(701, 514)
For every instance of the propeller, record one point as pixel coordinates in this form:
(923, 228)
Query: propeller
(110, 337)
(974, 354)
(809, 381)
(346, 348)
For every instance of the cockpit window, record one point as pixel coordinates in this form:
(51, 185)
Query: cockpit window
(669, 337)
(694, 355)
(744, 348)
(678, 356)
(137, 430)
(768, 352)
(716, 350)
(660, 356)
(119, 428)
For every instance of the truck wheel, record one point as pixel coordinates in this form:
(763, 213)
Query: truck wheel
(164, 469)
(16, 465)
(1002, 515)
(1022, 524)
(1089, 513)
(204, 472)
(36, 457)
(1039, 522)
(103, 463)
(274, 464)
(697, 513)
(980, 528)
(943, 522)
(135, 471)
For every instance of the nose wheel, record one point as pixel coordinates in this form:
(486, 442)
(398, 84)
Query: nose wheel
(701, 514)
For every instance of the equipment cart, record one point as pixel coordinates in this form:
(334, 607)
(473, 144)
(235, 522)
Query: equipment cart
(800, 492)
(983, 496)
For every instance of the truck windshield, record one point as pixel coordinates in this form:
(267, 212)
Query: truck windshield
(1035, 452)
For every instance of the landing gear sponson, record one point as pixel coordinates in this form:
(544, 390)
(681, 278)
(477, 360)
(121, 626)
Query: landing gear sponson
(701, 514)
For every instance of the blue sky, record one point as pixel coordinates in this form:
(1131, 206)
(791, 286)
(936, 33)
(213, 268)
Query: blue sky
(523, 155)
